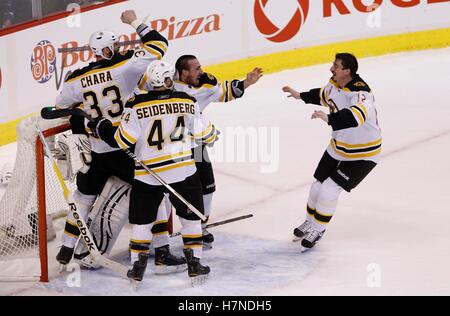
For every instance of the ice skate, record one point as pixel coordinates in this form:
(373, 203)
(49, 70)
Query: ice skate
(136, 274)
(310, 239)
(197, 272)
(301, 231)
(166, 263)
(64, 256)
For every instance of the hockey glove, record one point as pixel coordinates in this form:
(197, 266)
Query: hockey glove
(97, 125)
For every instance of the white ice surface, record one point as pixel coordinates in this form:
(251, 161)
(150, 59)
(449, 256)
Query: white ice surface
(397, 219)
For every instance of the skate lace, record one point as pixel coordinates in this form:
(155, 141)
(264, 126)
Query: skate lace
(304, 227)
(313, 235)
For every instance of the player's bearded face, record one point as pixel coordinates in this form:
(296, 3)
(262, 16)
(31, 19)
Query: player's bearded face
(195, 72)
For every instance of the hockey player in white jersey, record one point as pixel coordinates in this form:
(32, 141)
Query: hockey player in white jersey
(157, 122)
(354, 147)
(103, 87)
(205, 88)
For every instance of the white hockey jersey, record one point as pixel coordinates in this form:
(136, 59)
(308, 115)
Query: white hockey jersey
(156, 122)
(209, 89)
(356, 134)
(104, 87)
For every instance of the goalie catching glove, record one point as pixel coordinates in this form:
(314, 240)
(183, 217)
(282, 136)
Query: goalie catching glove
(77, 149)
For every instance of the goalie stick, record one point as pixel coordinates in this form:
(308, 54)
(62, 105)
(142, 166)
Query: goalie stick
(84, 231)
(52, 113)
(230, 220)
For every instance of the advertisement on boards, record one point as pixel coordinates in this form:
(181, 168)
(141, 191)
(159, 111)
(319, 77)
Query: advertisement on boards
(39, 58)
(278, 25)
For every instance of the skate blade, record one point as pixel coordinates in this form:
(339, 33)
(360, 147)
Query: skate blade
(198, 280)
(163, 269)
(134, 284)
(304, 249)
(62, 267)
(297, 239)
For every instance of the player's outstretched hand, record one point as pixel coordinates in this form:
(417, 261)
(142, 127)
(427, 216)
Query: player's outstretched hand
(254, 75)
(128, 16)
(320, 114)
(292, 93)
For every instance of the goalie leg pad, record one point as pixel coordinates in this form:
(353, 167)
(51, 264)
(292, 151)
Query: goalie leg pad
(71, 231)
(107, 217)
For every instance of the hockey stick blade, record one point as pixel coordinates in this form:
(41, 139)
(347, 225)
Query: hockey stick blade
(50, 113)
(230, 220)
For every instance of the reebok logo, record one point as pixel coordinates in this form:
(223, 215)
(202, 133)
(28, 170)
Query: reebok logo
(270, 30)
(83, 230)
(343, 175)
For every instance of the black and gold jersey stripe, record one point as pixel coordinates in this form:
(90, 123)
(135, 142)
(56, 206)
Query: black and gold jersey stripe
(360, 113)
(154, 43)
(208, 136)
(165, 163)
(357, 150)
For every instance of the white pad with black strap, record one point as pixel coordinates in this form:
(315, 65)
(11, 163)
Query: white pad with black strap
(106, 219)
(77, 149)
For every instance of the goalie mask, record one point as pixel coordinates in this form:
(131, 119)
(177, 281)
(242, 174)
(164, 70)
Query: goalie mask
(157, 73)
(103, 39)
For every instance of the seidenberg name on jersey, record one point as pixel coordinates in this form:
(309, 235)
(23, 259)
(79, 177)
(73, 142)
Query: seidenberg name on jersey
(167, 108)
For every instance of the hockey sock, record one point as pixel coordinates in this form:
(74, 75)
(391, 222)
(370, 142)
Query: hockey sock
(326, 204)
(160, 228)
(140, 240)
(312, 201)
(207, 202)
(192, 236)
(71, 231)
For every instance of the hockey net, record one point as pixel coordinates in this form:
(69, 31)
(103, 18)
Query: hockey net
(32, 200)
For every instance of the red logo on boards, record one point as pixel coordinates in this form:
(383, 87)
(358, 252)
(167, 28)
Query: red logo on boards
(43, 61)
(274, 33)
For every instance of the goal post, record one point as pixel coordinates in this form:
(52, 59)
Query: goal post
(41, 192)
(32, 199)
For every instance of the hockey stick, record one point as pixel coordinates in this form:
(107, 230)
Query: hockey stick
(166, 185)
(230, 220)
(66, 112)
(50, 112)
(84, 231)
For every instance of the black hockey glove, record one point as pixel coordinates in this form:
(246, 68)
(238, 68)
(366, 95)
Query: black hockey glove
(98, 125)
